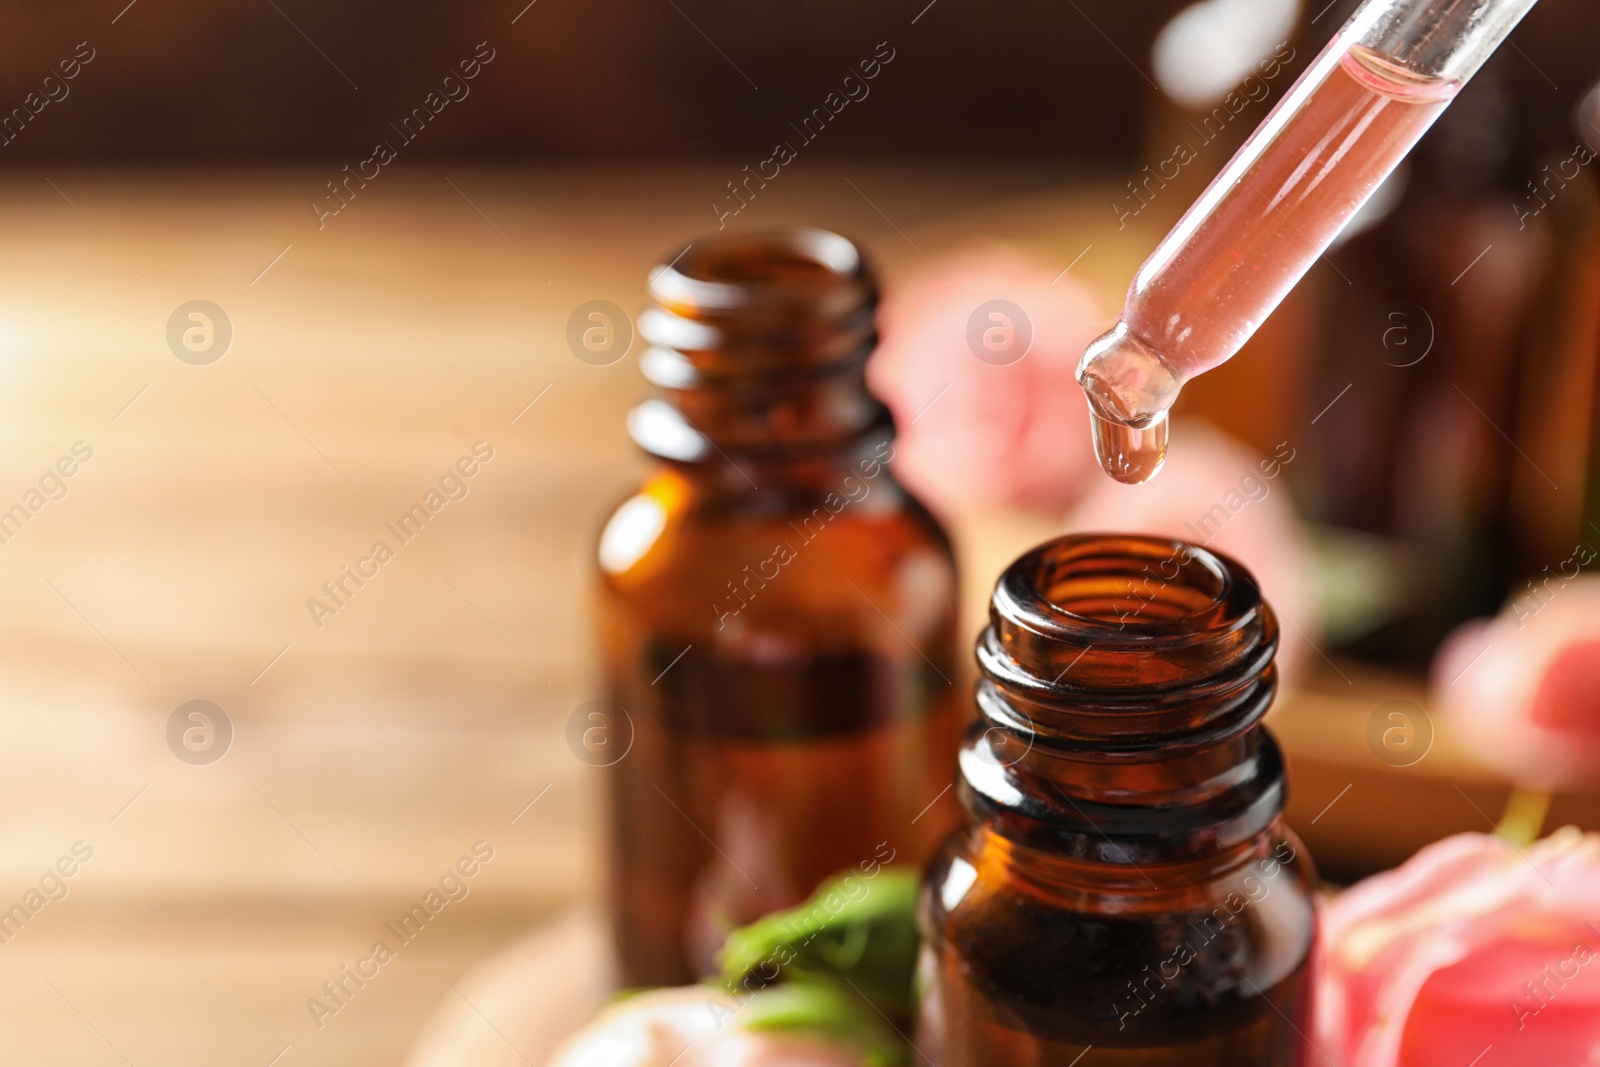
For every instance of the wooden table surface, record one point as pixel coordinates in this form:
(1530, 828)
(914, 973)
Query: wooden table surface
(371, 751)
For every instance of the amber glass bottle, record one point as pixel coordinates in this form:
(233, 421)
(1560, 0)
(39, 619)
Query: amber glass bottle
(777, 614)
(1125, 892)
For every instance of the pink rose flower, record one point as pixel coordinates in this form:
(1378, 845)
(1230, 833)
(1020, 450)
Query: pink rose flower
(1523, 689)
(1471, 954)
(1007, 428)
(1217, 492)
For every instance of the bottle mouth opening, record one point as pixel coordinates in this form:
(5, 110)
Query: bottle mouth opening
(732, 272)
(1129, 581)
(786, 257)
(1120, 613)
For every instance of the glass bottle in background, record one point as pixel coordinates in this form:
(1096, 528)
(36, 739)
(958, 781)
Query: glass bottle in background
(1558, 402)
(777, 614)
(1125, 892)
(1456, 359)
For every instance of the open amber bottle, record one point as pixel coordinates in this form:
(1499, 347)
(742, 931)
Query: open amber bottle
(1125, 892)
(777, 614)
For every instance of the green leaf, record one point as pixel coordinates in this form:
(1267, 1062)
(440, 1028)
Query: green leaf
(859, 932)
(821, 1008)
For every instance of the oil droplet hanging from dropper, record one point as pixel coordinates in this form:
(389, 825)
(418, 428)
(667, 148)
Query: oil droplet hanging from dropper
(1131, 456)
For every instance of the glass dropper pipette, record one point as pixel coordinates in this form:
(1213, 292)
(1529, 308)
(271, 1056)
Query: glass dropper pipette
(1263, 221)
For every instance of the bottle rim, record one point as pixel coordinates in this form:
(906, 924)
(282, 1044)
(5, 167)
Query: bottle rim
(801, 266)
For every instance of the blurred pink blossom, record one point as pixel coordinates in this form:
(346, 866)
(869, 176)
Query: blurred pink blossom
(1523, 689)
(1472, 952)
(690, 1027)
(1008, 428)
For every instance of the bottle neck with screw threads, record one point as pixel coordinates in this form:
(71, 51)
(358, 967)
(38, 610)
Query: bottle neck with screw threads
(1123, 684)
(756, 355)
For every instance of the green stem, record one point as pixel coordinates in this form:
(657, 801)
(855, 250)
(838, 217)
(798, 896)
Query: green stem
(1524, 816)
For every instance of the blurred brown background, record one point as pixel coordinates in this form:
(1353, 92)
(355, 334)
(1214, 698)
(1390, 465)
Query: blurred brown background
(265, 80)
(207, 82)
